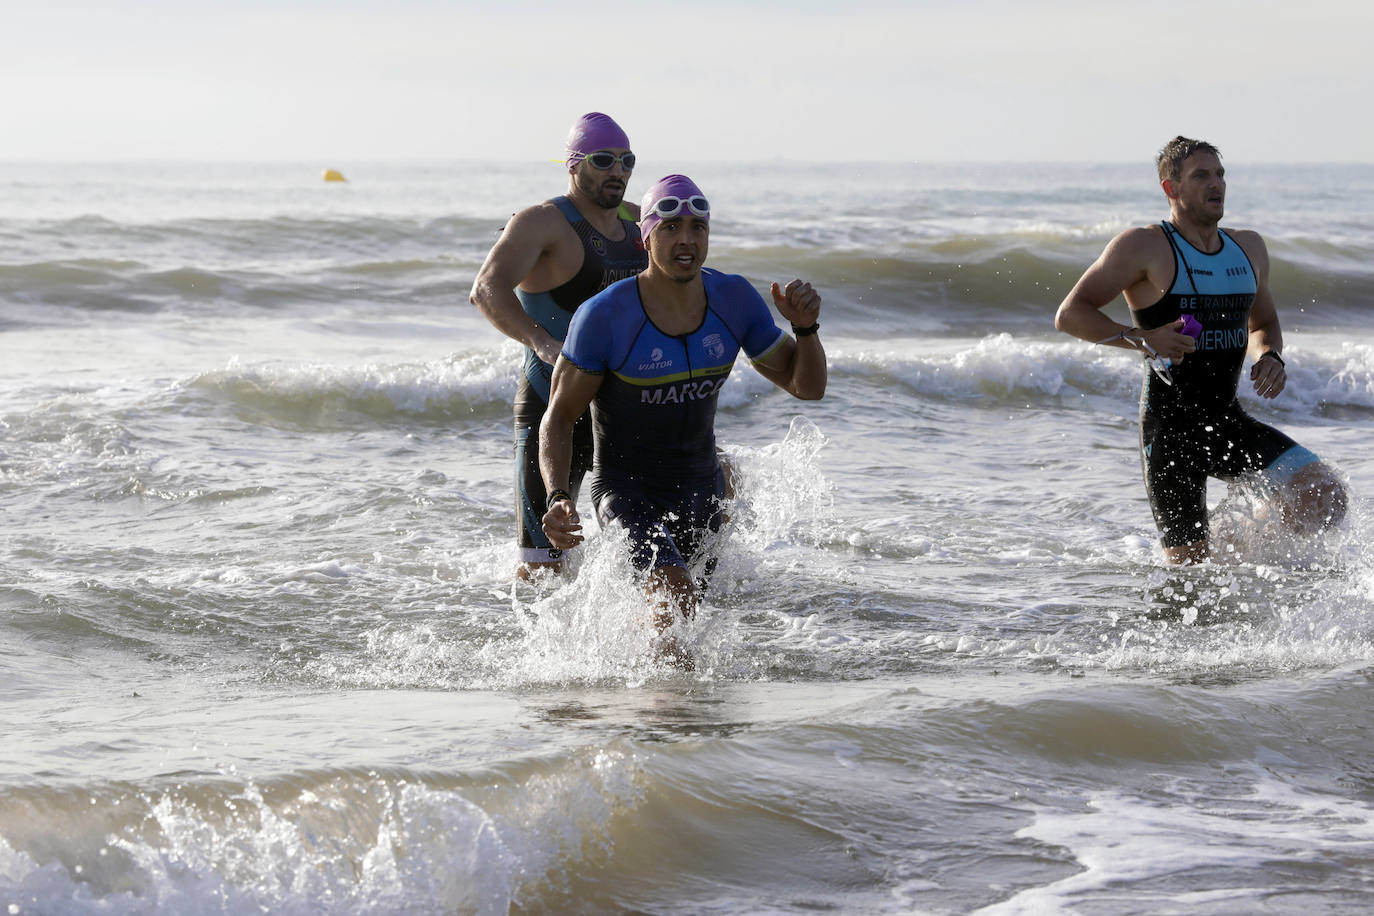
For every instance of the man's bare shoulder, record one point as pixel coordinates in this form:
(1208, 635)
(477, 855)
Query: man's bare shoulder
(539, 224)
(1244, 236)
(543, 213)
(1139, 245)
(1251, 242)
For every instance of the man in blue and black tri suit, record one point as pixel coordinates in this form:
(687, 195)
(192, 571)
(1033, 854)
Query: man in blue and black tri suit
(1189, 274)
(550, 258)
(650, 355)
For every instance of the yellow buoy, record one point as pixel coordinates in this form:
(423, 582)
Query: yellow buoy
(333, 175)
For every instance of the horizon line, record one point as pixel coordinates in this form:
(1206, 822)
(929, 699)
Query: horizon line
(328, 162)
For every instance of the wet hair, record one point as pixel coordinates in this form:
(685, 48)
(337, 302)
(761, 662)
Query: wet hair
(1171, 157)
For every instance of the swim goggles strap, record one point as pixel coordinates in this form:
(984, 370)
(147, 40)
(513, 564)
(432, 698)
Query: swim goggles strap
(1159, 365)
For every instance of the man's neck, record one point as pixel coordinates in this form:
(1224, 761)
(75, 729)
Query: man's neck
(1204, 237)
(675, 306)
(605, 221)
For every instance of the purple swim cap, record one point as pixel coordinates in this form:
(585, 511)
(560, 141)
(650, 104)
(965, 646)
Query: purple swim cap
(1191, 326)
(679, 186)
(591, 132)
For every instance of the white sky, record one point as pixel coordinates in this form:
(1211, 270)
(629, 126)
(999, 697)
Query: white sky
(339, 81)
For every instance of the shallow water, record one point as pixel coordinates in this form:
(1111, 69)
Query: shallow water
(262, 650)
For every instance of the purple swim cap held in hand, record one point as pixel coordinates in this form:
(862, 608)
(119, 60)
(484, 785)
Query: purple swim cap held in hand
(1193, 328)
(593, 131)
(679, 186)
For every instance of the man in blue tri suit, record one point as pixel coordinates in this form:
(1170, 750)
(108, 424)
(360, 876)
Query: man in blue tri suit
(550, 258)
(650, 355)
(1187, 274)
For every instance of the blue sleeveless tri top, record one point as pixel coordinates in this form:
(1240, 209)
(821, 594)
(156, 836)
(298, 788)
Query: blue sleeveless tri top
(1217, 289)
(604, 262)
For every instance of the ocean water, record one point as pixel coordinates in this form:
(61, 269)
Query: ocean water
(261, 650)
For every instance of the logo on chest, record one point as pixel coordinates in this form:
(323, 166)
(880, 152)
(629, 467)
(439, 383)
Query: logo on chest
(656, 361)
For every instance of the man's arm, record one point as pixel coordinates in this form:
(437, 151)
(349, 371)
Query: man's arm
(1123, 265)
(797, 366)
(571, 392)
(1268, 374)
(527, 237)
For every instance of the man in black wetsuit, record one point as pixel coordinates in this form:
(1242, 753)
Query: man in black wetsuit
(550, 259)
(1199, 301)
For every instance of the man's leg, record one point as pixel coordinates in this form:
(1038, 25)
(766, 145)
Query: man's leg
(1310, 494)
(672, 597)
(672, 594)
(1302, 493)
(536, 553)
(1177, 490)
(654, 552)
(1187, 554)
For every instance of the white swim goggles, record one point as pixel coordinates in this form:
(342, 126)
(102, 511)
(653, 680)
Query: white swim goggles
(667, 207)
(1159, 364)
(603, 159)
